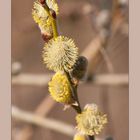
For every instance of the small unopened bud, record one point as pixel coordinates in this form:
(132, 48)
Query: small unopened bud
(42, 1)
(52, 12)
(80, 67)
(45, 37)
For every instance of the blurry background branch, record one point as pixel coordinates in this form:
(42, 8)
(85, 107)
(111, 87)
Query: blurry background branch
(42, 110)
(43, 79)
(52, 124)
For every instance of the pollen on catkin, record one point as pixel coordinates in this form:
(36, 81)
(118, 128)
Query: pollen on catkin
(91, 121)
(60, 54)
(59, 88)
(79, 136)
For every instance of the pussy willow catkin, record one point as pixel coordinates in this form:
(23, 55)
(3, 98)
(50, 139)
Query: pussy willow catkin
(60, 54)
(91, 121)
(59, 88)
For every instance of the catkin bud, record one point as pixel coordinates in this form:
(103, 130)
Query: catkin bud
(91, 121)
(60, 54)
(52, 12)
(59, 88)
(46, 37)
(42, 1)
(79, 68)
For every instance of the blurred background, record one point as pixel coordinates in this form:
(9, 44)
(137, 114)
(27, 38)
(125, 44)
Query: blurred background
(100, 30)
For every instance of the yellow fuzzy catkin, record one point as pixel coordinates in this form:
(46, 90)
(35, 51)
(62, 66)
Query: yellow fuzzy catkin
(59, 88)
(91, 121)
(60, 54)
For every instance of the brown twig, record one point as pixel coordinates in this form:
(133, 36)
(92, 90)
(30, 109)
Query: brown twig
(74, 94)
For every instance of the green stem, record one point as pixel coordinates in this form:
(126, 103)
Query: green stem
(54, 24)
(47, 9)
(74, 94)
